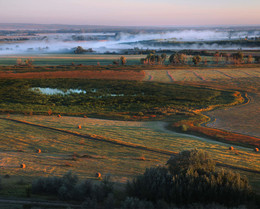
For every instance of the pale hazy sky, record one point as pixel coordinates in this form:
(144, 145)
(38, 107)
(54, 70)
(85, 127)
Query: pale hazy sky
(131, 12)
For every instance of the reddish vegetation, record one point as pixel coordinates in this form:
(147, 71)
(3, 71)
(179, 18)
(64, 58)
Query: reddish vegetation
(105, 74)
(225, 135)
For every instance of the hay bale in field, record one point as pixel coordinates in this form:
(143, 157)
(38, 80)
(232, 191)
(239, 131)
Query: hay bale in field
(22, 165)
(38, 151)
(98, 175)
(231, 148)
(256, 149)
(79, 126)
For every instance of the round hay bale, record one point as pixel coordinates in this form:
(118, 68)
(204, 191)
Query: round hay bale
(79, 126)
(98, 175)
(256, 149)
(38, 151)
(231, 148)
(22, 165)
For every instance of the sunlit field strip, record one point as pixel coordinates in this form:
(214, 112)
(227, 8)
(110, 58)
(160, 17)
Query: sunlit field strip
(151, 134)
(57, 150)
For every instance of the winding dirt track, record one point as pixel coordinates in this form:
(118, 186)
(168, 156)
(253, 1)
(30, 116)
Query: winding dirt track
(122, 143)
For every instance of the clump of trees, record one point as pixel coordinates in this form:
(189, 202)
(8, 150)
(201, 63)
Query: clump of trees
(238, 58)
(178, 58)
(152, 59)
(26, 62)
(81, 50)
(190, 177)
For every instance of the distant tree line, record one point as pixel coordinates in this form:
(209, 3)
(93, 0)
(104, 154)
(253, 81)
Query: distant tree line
(181, 58)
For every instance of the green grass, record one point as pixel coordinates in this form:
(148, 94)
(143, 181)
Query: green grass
(16, 95)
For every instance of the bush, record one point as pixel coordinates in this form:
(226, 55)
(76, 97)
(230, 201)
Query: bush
(192, 160)
(68, 187)
(153, 185)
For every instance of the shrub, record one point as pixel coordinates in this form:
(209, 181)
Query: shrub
(50, 185)
(191, 160)
(153, 185)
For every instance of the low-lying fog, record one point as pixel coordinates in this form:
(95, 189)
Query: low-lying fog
(114, 42)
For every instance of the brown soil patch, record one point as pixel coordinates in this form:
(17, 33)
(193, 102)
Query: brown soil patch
(105, 74)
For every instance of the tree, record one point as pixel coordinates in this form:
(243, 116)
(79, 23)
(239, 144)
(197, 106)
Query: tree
(217, 57)
(238, 57)
(177, 58)
(79, 50)
(163, 56)
(191, 178)
(123, 60)
(250, 59)
(196, 59)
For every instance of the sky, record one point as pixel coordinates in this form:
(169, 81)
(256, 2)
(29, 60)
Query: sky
(131, 12)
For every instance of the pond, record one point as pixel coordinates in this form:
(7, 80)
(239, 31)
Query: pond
(54, 91)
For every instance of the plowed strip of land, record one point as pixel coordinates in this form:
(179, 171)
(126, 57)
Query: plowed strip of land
(106, 74)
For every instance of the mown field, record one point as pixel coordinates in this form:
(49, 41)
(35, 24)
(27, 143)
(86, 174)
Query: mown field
(62, 152)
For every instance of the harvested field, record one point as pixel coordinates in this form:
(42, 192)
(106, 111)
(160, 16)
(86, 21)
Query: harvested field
(149, 134)
(242, 119)
(198, 75)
